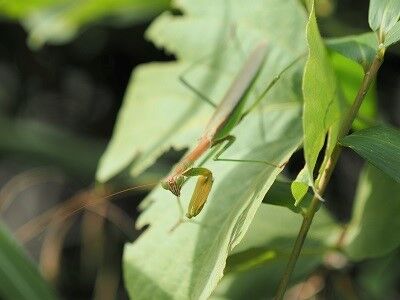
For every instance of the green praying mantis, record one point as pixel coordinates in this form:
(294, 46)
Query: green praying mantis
(230, 111)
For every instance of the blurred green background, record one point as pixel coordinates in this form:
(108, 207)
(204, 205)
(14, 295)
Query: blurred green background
(64, 68)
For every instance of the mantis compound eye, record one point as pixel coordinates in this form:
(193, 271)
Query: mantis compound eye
(173, 184)
(164, 184)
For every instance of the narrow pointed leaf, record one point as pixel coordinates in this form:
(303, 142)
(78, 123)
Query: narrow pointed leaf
(19, 278)
(321, 104)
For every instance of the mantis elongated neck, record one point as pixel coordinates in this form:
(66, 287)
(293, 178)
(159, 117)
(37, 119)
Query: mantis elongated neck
(189, 159)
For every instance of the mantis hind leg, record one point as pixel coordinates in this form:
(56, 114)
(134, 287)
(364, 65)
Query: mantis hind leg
(230, 139)
(186, 83)
(271, 84)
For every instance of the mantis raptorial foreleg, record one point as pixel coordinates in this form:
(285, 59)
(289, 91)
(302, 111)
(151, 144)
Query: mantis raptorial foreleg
(205, 180)
(201, 191)
(199, 196)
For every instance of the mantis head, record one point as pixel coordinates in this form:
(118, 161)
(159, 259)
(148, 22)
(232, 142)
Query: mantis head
(173, 184)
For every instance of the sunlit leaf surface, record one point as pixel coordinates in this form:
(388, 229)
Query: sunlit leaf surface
(154, 119)
(194, 255)
(321, 102)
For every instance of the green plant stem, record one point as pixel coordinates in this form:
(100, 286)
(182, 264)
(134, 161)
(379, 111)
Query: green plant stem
(325, 173)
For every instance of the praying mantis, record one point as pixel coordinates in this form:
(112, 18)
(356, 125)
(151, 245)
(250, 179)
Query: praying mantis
(227, 115)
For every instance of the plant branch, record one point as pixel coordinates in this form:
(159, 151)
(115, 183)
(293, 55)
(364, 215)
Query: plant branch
(326, 170)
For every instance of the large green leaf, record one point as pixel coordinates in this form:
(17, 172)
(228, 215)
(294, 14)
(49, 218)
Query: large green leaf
(360, 48)
(262, 19)
(379, 145)
(159, 113)
(59, 21)
(154, 119)
(375, 224)
(383, 15)
(320, 92)
(19, 278)
(194, 255)
(254, 269)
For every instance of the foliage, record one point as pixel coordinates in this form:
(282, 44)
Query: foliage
(350, 76)
(235, 238)
(59, 21)
(380, 146)
(360, 48)
(130, 143)
(185, 117)
(376, 212)
(252, 224)
(19, 277)
(264, 251)
(319, 86)
(383, 15)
